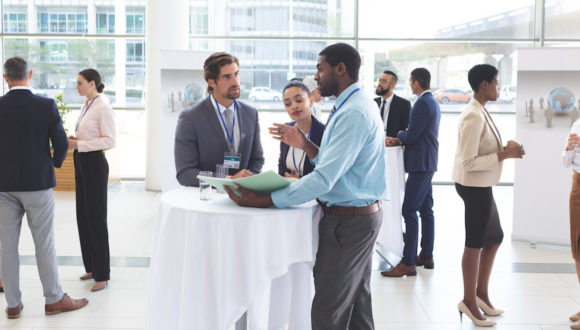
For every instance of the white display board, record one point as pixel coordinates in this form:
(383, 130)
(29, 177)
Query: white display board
(180, 70)
(547, 104)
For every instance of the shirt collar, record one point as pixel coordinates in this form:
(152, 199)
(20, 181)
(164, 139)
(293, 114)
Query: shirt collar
(20, 87)
(213, 101)
(389, 99)
(345, 93)
(426, 91)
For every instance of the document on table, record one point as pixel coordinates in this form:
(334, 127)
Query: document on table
(262, 183)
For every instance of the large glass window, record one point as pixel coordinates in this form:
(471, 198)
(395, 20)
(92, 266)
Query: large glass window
(562, 19)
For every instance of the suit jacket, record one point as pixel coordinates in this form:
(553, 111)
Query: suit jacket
(200, 143)
(421, 138)
(398, 119)
(316, 132)
(476, 162)
(29, 124)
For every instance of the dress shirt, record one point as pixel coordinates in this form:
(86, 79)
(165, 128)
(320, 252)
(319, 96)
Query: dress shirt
(387, 103)
(96, 127)
(572, 157)
(298, 157)
(350, 166)
(237, 126)
(21, 87)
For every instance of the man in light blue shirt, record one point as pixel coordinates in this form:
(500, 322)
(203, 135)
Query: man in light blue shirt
(348, 180)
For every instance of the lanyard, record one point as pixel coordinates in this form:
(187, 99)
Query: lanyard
(85, 111)
(301, 158)
(230, 139)
(340, 106)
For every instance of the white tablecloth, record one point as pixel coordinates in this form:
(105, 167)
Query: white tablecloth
(213, 260)
(390, 236)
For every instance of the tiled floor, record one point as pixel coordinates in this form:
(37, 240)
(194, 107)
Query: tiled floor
(534, 293)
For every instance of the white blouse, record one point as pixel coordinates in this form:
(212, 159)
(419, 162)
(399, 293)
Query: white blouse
(299, 158)
(96, 127)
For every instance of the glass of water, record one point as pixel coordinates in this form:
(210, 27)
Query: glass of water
(204, 187)
(221, 172)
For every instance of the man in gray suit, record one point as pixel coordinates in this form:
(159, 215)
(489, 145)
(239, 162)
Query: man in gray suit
(28, 123)
(220, 129)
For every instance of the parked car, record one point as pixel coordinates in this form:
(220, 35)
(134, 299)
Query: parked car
(446, 95)
(508, 94)
(264, 94)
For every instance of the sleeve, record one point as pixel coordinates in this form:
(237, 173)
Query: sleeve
(281, 161)
(469, 137)
(186, 151)
(57, 136)
(257, 155)
(405, 114)
(418, 121)
(338, 156)
(107, 135)
(568, 158)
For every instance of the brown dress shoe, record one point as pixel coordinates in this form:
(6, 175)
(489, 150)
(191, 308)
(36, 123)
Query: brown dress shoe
(66, 304)
(400, 270)
(14, 312)
(427, 263)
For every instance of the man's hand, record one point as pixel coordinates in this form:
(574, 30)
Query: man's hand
(391, 142)
(248, 197)
(242, 174)
(291, 135)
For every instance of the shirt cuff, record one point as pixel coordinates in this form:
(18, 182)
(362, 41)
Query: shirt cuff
(279, 197)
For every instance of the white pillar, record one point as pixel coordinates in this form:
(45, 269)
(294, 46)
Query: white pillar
(91, 17)
(120, 53)
(166, 28)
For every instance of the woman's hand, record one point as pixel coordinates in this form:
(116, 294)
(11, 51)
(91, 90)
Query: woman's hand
(511, 150)
(290, 175)
(72, 142)
(573, 141)
(242, 174)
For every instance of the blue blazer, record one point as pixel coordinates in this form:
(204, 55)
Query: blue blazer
(421, 138)
(317, 130)
(29, 123)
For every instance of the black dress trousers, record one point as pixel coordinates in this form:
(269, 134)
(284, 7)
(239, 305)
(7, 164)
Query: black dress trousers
(92, 176)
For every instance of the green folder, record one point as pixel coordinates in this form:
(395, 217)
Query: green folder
(263, 183)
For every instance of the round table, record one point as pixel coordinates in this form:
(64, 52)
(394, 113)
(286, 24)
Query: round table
(214, 260)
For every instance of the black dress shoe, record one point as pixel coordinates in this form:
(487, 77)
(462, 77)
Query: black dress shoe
(427, 263)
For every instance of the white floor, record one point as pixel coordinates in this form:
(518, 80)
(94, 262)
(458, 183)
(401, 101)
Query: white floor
(539, 300)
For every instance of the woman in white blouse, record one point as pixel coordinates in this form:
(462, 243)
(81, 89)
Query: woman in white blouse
(94, 133)
(571, 158)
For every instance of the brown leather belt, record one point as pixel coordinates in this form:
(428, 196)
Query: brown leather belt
(352, 210)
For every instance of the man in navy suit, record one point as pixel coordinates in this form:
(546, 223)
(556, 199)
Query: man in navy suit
(29, 124)
(421, 148)
(394, 109)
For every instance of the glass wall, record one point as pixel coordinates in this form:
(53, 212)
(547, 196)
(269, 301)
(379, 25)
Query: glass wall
(447, 37)
(279, 40)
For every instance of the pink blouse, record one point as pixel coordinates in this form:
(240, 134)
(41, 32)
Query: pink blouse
(96, 128)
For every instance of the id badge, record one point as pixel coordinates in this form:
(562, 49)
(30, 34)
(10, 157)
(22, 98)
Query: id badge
(232, 160)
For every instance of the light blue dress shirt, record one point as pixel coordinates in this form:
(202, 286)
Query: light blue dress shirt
(350, 165)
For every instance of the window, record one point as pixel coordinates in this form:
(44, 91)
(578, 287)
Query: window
(135, 51)
(198, 20)
(62, 20)
(15, 20)
(105, 20)
(135, 21)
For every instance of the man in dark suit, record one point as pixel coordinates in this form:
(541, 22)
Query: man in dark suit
(394, 109)
(421, 148)
(29, 124)
(220, 129)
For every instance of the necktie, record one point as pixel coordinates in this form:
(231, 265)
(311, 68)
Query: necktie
(228, 119)
(383, 109)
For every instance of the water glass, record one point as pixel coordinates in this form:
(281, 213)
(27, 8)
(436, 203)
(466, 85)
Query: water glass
(204, 187)
(221, 172)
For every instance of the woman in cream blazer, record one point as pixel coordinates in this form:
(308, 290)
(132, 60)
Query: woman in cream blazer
(477, 167)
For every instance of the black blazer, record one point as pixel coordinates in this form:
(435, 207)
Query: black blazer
(398, 115)
(315, 136)
(28, 124)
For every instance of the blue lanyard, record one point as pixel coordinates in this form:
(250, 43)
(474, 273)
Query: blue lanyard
(230, 139)
(85, 111)
(301, 158)
(340, 106)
